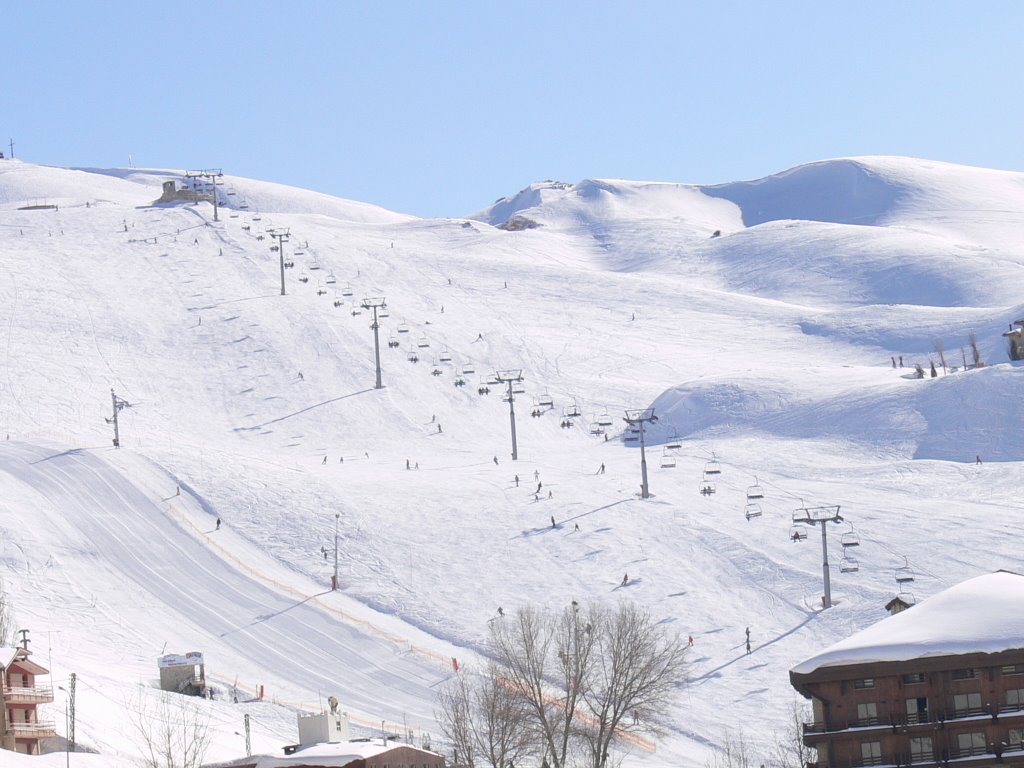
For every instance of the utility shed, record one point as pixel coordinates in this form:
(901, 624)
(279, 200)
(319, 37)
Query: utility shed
(183, 674)
(323, 728)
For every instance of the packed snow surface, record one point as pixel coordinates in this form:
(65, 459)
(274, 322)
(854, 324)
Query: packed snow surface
(765, 322)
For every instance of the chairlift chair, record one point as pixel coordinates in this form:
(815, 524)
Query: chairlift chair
(313, 265)
(446, 356)
(674, 444)
(755, 491)
(707, 489)
(796, 533)
(518, 388)
(850, 539)
(604, 419)
(632, 438)
(667, 460)
(304, 278)
(331, 279)
(412, 357)
(904, 575)
(752, 510)
(423, 342)
(906, 597)
(346, 291)
(596, 428)
(572, 410)
(320, 290)
(545, 401)
(468, 368)
(338, 302)
(382, 311)
(392, 341)
(848, 565)
(402, 327)
(712, 467)
(356, 311)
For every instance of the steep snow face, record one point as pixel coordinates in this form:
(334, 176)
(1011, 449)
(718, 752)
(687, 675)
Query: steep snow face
(980, 615)
(836, 191)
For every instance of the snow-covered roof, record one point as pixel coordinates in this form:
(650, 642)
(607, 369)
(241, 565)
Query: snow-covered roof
(329, 754)
(980, 615)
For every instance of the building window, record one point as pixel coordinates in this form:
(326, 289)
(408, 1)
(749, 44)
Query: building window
(1015, 698)
(867, 713)
(915, 677)
(1015, 738)
(917, 710)
(1013, 669)
(871, 753)
(921, 749)
(866, 682)
(967, 704)
(965, 674)
(970, 743)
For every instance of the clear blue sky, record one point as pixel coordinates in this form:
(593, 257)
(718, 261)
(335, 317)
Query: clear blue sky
(437, 108)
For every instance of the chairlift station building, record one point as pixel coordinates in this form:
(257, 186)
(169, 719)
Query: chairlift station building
(940, 683)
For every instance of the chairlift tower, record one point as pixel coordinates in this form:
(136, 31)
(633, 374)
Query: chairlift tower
(282, 235)
(375, 303)
(119, 403)
(210, 175)
(637, 419)
(511, 377)
(823, 515)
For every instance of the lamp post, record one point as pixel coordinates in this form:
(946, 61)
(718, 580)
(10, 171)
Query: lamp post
(67, 726)
(334, 579)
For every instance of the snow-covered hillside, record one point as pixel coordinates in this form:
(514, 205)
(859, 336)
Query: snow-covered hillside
(759, 319)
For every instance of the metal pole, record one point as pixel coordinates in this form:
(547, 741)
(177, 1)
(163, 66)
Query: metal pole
(512, 421)
(117, 436)
(213, 180)
(827, 597)
(376, 346)
(67, 726)
(280, 250)
(334, 581)
(248, 744)
(643, 465)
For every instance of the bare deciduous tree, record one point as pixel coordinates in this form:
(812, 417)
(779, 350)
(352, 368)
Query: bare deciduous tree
(6, 617)
(975, 352)
(635, 669)
(789, 749)
(734, 752)
(577, 681)
(173, 733)
(485, 719)
(940, 351)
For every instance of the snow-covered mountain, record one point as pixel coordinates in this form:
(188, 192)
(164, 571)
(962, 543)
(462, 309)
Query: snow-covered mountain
(759, 319)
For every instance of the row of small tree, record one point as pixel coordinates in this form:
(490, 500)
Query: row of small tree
(568, 689)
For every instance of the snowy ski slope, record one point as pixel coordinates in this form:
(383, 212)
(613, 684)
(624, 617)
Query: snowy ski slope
(766, 347)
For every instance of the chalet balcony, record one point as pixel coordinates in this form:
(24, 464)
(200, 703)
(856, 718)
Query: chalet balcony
(41, 730)
(37, 695)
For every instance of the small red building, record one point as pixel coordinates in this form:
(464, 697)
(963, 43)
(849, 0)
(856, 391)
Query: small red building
(20, 696)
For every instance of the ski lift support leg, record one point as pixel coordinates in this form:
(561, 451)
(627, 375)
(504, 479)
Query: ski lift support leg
(823, 515)
(638, 419)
